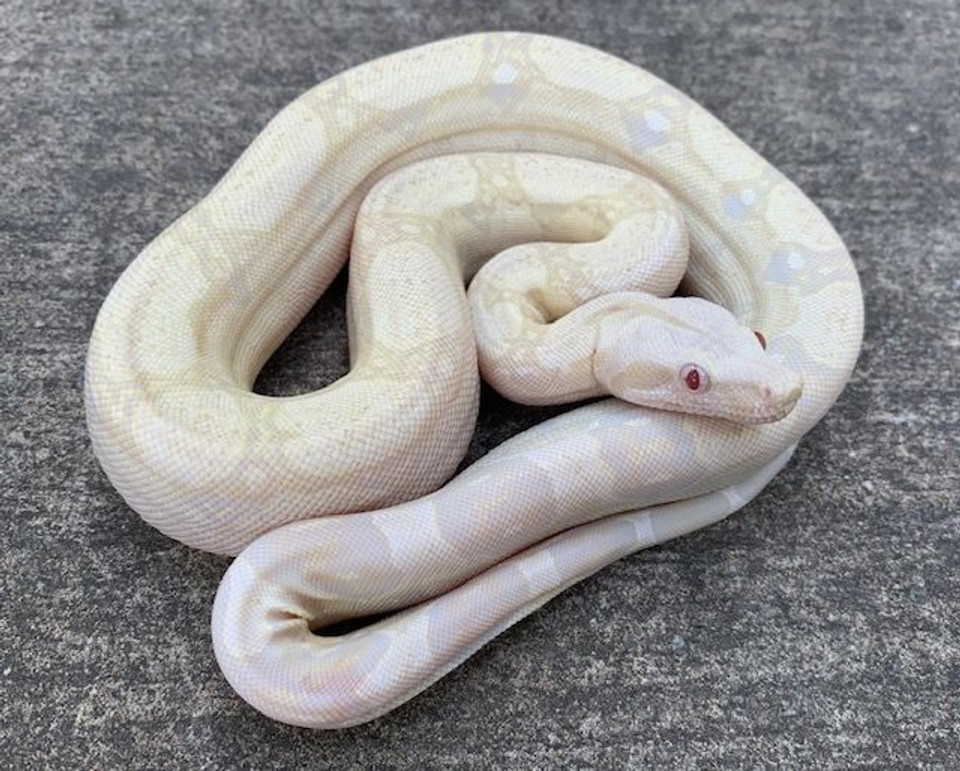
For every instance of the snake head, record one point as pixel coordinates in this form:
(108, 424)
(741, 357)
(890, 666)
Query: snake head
(689, 355)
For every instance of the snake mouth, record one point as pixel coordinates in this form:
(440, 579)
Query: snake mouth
(764, 416)
(757, 415)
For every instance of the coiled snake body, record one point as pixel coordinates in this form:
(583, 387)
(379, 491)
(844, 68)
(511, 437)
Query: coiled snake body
(597, 179)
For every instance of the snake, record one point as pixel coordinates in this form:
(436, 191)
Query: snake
(510, 204)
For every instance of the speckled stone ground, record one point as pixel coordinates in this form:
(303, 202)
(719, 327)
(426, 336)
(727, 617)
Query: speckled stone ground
(817, 628)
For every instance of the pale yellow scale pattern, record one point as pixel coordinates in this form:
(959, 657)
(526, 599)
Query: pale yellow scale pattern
(630, 174)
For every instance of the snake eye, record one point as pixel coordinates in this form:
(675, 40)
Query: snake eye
(695, 377)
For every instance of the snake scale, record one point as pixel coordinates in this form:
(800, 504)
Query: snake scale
(575, 193)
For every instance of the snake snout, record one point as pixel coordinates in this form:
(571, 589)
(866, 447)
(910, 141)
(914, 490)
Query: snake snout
(781, 393)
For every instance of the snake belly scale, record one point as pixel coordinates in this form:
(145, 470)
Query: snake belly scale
(337, 502)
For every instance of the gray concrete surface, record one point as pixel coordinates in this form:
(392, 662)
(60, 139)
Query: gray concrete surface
(817, 628)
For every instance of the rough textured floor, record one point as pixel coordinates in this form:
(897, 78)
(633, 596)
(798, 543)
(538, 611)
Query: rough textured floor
(819, 627)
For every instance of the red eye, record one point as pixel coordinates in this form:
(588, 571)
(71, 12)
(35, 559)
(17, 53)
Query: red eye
(694, 377)
(762, 339)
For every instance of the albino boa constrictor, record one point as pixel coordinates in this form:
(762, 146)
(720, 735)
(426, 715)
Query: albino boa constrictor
(180, 338)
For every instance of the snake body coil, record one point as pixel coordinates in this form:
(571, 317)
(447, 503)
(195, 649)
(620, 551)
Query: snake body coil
(182, 335)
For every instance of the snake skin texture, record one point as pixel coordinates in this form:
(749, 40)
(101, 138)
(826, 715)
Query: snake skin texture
(183, 333)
